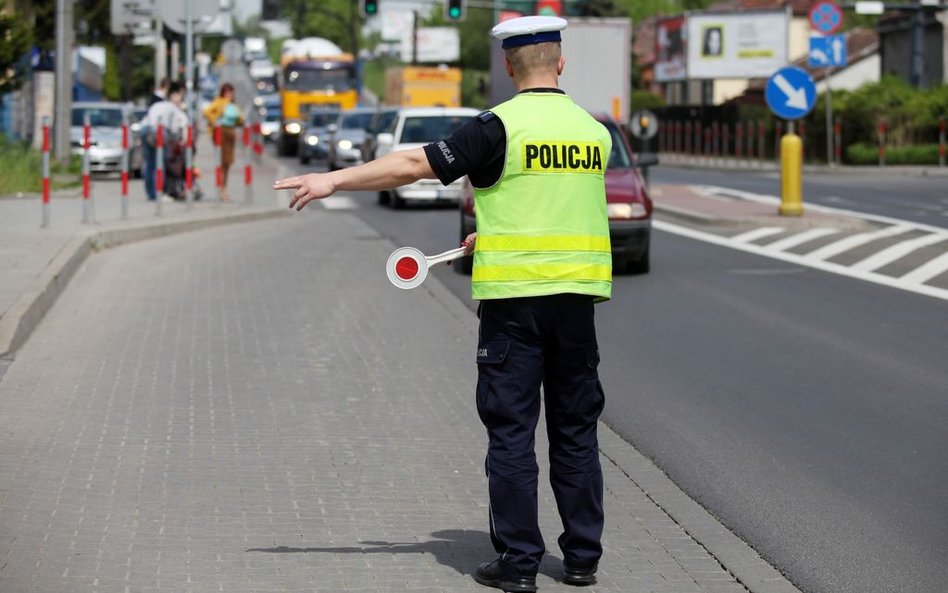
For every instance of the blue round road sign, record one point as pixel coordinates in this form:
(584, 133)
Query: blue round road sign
(826, 17)
(790, 93)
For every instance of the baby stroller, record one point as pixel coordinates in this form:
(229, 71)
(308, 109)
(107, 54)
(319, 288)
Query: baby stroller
(175, 170)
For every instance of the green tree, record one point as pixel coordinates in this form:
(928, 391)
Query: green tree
(336, 20)
(15, 41)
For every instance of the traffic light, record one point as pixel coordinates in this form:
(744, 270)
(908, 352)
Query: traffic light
(454, 10)
(368, 8)
(270, 11)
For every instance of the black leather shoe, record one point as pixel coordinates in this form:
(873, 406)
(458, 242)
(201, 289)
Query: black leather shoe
(579, 577)
(493, 574)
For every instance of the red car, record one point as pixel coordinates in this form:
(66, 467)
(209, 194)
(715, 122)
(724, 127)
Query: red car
(630, 208)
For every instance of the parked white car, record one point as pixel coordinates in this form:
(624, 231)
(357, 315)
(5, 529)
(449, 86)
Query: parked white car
(416, 127)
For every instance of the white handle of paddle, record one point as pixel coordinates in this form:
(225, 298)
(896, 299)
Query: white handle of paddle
(446, 256)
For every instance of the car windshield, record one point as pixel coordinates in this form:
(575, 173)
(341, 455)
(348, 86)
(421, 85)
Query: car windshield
(322, 119)
(619, 158)
(317, 80)
(384, 122)
(358, 121)
(428, 129)
(108, 117)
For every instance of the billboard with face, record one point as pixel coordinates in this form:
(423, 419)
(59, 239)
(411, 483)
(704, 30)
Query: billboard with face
(737, 45)
(670, 54)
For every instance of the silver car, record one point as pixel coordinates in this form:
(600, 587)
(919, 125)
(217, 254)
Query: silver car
(347, 137)
(105, 138)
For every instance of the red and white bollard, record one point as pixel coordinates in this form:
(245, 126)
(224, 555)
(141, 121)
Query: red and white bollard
(45, 171)
(257, 142)
(124, 191)
(219, 170)
(159, 168)
(86, 172)
(189, 165)
(248, 167)
(882, 130)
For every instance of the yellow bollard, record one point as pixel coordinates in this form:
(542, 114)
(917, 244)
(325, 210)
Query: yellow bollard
(791, 175)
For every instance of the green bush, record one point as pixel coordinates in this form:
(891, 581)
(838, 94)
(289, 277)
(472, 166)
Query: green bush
(868, 154)
(21, 169)
(646, 100)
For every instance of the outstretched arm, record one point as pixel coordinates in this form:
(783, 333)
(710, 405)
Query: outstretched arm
(392, 170)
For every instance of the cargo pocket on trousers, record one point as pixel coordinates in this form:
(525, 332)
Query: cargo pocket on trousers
(592, 399)
(490, 365)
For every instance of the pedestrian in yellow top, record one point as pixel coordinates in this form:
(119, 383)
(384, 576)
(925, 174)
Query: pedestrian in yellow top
(223, 113)
(541, 259)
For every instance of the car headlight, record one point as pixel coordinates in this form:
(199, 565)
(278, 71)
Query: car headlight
(293, 128)
(345, 144)
(626, 210)
(312, 140)
(258, 101)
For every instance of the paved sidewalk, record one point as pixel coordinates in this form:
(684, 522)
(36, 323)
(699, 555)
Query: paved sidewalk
(258, 423)
(36, 263)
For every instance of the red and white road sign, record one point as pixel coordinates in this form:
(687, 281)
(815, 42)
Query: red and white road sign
(407, 267)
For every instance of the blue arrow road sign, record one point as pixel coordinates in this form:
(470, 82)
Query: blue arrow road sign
(790, 93)
(828, 52)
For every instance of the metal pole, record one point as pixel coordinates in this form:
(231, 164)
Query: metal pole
(61, 123)
(159, 168)
(829, 117)
(188, 93)
(941, 141)
(45, 171)
(124, 193)
(248, 166)
(86, 174)
(414, 38)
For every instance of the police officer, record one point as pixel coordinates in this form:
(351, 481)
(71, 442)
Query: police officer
(542, 257)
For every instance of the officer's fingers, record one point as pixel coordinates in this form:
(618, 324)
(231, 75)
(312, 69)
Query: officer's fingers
(302, 202)
(288, 183)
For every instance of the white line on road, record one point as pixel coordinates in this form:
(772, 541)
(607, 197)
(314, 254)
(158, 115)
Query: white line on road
(897, 251)
(800, 238)
(755, 234)
(853, 241)
(938, 293)
(926, 272)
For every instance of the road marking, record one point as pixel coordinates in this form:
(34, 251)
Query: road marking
(900, 283)
(800, 238)
(853, 241)
(897, 251)
(755, 234)
(338, 203)
(926, 272)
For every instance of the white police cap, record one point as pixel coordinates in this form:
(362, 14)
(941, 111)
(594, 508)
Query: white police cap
(527, 30)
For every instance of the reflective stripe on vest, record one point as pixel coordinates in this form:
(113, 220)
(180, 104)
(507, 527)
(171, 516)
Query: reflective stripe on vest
(548, 243)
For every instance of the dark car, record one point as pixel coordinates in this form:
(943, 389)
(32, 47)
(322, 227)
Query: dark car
(628, 202)
(383, 122)
(314, 141)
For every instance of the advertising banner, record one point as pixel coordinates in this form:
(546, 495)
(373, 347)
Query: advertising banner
(737, 45)
(670, 53)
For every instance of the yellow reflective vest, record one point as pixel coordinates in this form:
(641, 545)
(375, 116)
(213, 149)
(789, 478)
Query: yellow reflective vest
(543, 228)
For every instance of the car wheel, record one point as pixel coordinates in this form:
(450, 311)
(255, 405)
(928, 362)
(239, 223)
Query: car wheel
(641, 265)
(383, 198)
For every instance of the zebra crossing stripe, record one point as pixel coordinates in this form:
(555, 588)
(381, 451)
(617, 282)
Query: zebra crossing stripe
(853, 241)
(897, 251)
(800, 238)
(926, 272)
(755, 234)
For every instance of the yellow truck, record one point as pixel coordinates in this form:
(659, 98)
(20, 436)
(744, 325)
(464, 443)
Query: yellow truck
(315, 74)
(419, 86)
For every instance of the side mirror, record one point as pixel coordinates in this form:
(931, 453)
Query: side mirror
(646, 159)
(385, 139)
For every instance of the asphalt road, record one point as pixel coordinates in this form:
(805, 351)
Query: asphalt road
(805, 410)
(918, 199)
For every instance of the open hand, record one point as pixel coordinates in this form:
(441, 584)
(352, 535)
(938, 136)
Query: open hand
(314, 186)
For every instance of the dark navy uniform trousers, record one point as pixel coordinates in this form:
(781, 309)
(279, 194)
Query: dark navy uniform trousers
(523, 343)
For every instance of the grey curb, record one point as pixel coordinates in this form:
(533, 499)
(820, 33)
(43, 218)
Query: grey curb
(30, 308)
